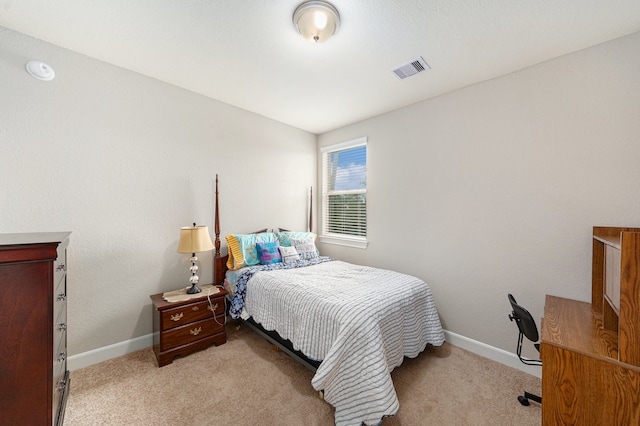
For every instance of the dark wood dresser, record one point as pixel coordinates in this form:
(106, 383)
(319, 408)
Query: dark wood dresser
(34, 379)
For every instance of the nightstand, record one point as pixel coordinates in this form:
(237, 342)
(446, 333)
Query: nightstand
(180, 328)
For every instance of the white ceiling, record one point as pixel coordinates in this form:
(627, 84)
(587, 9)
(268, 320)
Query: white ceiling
(247, 53)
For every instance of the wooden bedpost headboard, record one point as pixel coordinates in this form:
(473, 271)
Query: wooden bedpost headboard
(310, 209)
(219, 262)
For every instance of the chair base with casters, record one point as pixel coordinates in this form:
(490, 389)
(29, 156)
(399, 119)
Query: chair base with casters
(526, 328)
(524, 400)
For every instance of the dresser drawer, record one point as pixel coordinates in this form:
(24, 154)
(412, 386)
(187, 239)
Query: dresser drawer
(191, 332)
(185, 314)
(59, 363)
(58, 399)
(59, 266)
(60, 300)
(60, 326)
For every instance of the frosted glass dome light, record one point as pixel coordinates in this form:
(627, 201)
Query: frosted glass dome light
(316, 21)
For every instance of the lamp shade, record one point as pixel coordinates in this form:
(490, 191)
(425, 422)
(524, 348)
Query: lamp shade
(194, 239)
(316, 21)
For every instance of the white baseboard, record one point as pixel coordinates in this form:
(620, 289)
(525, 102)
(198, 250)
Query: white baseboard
(493, 353)
(85, 359)
(95, 356)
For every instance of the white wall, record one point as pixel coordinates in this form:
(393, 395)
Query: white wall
(488, 190)
(123, 161)
(495, 188)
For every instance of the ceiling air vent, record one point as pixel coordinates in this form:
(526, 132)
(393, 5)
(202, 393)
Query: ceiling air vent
(412, 67)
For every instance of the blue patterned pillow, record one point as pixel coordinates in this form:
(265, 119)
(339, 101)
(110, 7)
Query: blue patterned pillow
(268, 252)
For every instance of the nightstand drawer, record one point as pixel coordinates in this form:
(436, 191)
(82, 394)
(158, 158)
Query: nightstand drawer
(191, 312)
(191, 332)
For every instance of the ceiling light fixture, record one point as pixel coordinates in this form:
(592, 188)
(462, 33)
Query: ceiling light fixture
(40, 70)
(316, 21)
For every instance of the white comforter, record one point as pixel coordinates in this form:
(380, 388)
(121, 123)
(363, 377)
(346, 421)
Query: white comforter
(360, 321)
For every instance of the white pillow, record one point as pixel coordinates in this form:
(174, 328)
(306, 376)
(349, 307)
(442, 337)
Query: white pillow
(305, 247)
(289, 254)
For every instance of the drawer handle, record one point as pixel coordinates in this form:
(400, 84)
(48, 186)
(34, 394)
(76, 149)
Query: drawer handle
(213, 308)
(62, 297)
(62, 356)
(61, 267)
(195, 308)
(196, 331)
(62, 326)
(177, 317)
(62, 384)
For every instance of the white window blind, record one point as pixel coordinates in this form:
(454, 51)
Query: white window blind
(344, 190)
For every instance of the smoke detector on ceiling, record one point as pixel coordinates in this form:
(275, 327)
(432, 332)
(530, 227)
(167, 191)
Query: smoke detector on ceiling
(412, 67)
(40, 70)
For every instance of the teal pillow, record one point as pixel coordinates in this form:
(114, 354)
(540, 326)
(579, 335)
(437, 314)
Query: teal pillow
(285, 237)
(242, 248)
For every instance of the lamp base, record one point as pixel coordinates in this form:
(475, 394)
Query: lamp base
(194, 289)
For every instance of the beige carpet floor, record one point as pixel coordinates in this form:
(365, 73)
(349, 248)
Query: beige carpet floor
(246, 382)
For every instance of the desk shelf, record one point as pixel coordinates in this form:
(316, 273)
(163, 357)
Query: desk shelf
(591, 351)
(615, 293)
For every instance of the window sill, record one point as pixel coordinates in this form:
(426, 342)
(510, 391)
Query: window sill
(360, 243)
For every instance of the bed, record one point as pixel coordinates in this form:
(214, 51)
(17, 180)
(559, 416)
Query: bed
(349, 323)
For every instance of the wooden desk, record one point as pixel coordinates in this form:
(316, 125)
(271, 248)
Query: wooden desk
(583, 383)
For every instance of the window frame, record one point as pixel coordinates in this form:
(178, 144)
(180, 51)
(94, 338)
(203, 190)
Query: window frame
(360, 242)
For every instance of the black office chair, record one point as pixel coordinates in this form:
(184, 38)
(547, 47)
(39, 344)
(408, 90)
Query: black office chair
(526, 327)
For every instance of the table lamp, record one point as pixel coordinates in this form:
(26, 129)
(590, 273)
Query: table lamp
(194, 239)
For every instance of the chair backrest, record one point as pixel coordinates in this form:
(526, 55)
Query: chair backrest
(524, 320)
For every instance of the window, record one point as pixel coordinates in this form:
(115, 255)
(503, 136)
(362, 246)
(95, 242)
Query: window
(344, 193)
